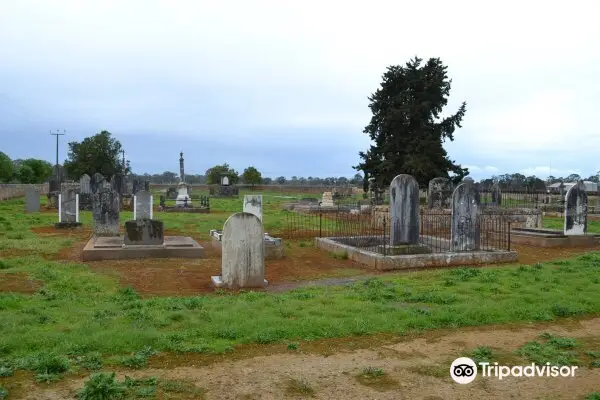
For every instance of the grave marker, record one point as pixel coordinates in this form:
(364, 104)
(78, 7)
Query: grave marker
(32, 199)
(105, 209)
(439, 193)
(68, 206)
(465, 230)
(142, 205)
(84, 184)
(253, 205)
(243, 253)
(576, 203)
(404, 211)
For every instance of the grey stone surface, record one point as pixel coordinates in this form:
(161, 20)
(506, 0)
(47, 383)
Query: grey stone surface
(144, 232)
(181, 171)
(143, 205)
(105, 210)
(439, 193)
(404, 210)
(54, 185)
(576, 203)
(113, 248)
(118, 183)
(69, 210)
(32, 200)
(496, 195)
(97, 182)
(465, 229)
(253, 205)
(84, 184)
(183, 198)
(243, 259)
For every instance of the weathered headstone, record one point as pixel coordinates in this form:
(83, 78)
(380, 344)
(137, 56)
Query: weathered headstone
(327, 200)
(117, 182)
(84, 184)
(243, 253)
(97, 182)
(404, 211)
(105, 208)
(465, 229)
(439, 193)
(32, 199)
(496, 195)
(142, 205)
(54, 185)
(253, 205)
(68, 206)
(576, 203)
(144, 232)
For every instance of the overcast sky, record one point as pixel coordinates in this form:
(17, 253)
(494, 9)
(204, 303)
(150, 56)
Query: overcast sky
(283, 85)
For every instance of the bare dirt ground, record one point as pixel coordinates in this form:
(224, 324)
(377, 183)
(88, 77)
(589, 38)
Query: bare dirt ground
(415, 367)
(18, 283)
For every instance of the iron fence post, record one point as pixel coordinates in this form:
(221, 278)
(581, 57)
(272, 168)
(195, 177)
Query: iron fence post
(384, 241)
(320, 223)
(508, 235)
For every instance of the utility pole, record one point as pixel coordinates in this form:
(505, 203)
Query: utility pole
(57, 134)
(123, 152)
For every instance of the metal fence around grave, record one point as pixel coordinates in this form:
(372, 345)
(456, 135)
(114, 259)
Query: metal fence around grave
(370, 232)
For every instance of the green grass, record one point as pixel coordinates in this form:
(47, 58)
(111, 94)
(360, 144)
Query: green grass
(80, 319)
(559, 223)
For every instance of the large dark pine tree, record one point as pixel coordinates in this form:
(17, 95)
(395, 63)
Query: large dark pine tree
(406, 127)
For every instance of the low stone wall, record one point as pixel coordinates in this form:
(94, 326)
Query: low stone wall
(11, 191)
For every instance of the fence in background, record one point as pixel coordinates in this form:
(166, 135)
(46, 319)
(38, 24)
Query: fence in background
(12, 190)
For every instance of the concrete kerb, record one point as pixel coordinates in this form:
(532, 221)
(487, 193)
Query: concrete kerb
(389, 263)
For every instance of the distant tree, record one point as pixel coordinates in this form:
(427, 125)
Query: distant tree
(267, 181)
(357, 179)
(406, 129)
(534, 183)
(573, 178)
(26, 174)
(281, 180)
(213, 175)
(342, 180)
(593, 178)
(302, 181)
(98, 153)
(6, 168)
(42, 170)
(252, 176)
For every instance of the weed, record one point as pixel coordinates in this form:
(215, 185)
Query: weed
(372, 372)
(299, 387)
(101, 386)
(342, 255)
(292, 346)
(556, 351)
(593, 396)
(3, 393)
(481, 354)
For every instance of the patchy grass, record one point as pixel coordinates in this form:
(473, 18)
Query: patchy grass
(555, 350)
(377, 379)
(299, 387)
(559, 223)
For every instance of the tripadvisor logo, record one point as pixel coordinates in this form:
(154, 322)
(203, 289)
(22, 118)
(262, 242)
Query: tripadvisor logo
(463, 370)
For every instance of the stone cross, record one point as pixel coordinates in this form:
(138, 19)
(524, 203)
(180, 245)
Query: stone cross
(84, 184)
(142, 205)
(576, 202)
(404, 211)
(32, 199)
(253, 205)
(465, 229)
(439, 193)
(243, 253)
(68, 206)
(105, 209)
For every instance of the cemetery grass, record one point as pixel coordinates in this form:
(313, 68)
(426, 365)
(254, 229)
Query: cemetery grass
(78, 321)
(559, 223)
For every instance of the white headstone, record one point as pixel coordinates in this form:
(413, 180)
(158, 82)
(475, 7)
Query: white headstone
(253, 205)
(142, 205)
(225, 181)
(576, 203)
(243, 253)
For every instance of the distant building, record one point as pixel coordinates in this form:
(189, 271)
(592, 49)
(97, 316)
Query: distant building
(589, 186)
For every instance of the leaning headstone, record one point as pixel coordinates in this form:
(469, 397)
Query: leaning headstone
(243, 253)
(142, 205)
(105, 209)
(32, 199)
(97, 182)
(439, 193)
(465, 230)
(576, 203)
(144, 232)
(404, 211)
(253, 205)
(68, 207)
(84, 184)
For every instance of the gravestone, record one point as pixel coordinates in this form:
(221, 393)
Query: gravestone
(327, 200)
(404, 211)
(135, 186)
(224, 180)
(496, 195)
(243, 253)
(117, 182)
(68, 207)
(144, 232)
(183, 198)
(576, 203)
(142, 206)
(105, 209)
(32, 199)
(465, 230)
(54, 185)
(97, 182)
(84, 184)
(439, 193)
(253, 205)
